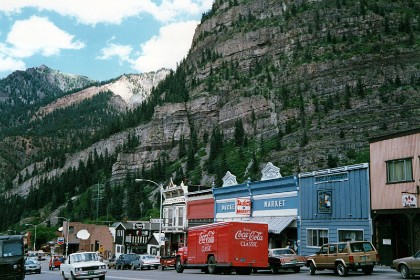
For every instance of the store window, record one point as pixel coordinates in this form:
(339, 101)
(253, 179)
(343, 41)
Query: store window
(350, 235)
(317, 237)
(400, 170)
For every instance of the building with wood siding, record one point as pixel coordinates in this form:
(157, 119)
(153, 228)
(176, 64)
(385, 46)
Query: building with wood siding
(273, 200)
(334, 206)
(395, 180)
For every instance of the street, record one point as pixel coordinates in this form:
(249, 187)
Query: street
(381, 273)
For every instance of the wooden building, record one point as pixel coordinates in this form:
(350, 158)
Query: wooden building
(334, 206)
(273, 200)
(395, 180)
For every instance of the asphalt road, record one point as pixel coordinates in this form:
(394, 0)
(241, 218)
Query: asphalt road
(379, 273)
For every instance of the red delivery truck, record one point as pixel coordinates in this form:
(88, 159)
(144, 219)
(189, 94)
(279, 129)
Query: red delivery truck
(225, 246)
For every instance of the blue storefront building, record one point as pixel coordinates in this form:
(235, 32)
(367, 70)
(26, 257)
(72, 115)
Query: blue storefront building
(273, 200)
(334, 206)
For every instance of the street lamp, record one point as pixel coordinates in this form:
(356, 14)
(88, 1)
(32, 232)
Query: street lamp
(35, 234)
(67, 234)
(160, 186)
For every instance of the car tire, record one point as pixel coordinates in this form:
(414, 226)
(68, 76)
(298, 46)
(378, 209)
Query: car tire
(342, 270)
(64, 277)
(312, 268)
(367, 270)
(405, 272)
(274, 269)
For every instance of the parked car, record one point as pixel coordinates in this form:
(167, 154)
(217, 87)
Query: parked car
(408, 266)
(124, 261)
(284, 258)
(55, 262)
(32, 266)
(145, 261)
(344, 256)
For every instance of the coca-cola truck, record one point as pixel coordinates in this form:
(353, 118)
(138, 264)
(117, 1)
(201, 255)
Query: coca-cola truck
(225, 246)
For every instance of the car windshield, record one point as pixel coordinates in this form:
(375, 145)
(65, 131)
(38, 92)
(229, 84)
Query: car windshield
(283, 252)
(361, 247)
(130, 257)
(11, 248)
(84, 257)
(29, 261)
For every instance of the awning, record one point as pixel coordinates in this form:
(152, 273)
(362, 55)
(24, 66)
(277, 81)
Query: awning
(275, 224)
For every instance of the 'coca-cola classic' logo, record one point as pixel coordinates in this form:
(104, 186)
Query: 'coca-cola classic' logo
(249, 235)
(205, 238)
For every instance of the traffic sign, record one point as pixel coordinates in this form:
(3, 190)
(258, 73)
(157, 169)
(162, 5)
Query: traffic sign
(60, 240)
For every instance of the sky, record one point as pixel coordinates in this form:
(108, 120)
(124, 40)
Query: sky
(100, 39)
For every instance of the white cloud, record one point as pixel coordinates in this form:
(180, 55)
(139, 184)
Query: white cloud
(166, 49)
(38, 35)
(8, 63)
(122, 52)
(111, 11)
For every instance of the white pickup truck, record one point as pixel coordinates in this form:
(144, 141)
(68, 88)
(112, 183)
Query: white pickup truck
(84, 265)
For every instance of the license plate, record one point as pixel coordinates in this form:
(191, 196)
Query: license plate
(91, 272)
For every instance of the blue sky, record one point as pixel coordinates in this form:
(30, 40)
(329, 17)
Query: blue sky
(100, 39)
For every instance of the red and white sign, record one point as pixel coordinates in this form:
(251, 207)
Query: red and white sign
(409, 201)
(243, 206)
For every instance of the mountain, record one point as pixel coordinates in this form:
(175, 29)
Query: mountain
(302, 84)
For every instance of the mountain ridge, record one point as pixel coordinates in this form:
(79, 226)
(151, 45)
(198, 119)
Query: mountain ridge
(301, 84)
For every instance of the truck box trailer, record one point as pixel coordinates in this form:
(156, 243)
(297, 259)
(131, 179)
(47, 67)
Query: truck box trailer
(225, 246)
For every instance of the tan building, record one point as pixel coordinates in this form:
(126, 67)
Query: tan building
(395, 180)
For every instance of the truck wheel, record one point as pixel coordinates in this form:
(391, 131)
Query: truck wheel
(178, 265)
(342, 270)
(64, 277)
(312, 268)
(212, 265)
(367, 270)
(227, 271)
(244, 270)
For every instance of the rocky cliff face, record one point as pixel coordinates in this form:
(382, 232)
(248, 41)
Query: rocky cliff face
(321, 76)
(326, 74)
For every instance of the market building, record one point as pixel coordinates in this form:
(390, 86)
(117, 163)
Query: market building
(334, 206)
(395, 180)
(273, 200)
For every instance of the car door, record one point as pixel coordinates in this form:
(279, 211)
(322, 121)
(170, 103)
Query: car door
(322, 257)
(332, 256)
(415, 268)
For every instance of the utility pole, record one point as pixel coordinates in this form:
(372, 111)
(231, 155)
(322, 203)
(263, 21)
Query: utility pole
(98, 197)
